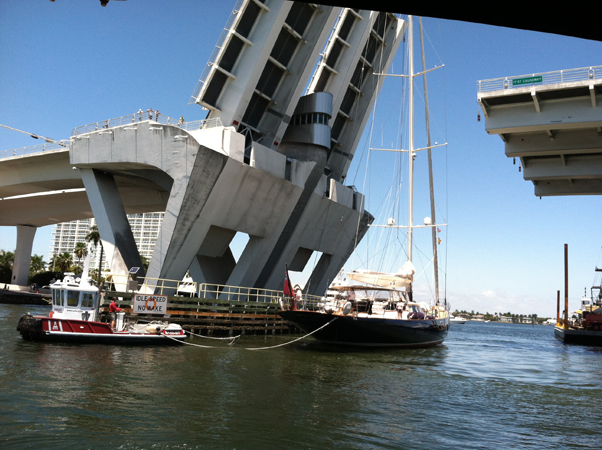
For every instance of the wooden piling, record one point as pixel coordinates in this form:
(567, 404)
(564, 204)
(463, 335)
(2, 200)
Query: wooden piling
(566, 286)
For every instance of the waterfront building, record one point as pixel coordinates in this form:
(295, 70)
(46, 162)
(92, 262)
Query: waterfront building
(145, 227)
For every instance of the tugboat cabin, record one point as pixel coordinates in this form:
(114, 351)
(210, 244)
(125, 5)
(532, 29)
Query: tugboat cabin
(74, 300)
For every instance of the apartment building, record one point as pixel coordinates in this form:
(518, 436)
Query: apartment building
(145, 227)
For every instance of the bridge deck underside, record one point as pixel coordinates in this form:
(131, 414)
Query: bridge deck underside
(555, 131)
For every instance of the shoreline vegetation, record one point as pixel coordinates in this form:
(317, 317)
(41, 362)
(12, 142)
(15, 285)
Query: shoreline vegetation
(506, 317)
(41, 273)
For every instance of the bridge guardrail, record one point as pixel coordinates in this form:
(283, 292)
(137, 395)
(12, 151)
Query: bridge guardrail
(539, 79)
(111, 123)
(215, 53)
(141, 116)
(39, 148)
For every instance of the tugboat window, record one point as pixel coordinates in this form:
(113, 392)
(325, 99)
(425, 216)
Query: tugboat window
(87, 300)
(56, 297)
(72, 298)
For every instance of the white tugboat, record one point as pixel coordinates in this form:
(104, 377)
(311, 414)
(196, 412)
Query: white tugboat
(75, 318)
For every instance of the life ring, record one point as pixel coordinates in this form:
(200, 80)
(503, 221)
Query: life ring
(51, 313)
(154, 304)
(298, 291)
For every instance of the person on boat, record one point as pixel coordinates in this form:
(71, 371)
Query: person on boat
(399, 307)
(113, 310)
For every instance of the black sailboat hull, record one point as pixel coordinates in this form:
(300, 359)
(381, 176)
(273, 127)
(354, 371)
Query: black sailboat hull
(369, 331)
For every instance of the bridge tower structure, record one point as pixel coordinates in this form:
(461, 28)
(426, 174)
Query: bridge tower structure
(288, 91)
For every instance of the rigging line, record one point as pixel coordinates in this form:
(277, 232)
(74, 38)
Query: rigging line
(386, 235)
(287, 343)
(446, 165)
(378, 252)
(363, 202)
(319, 246)
(366, 172)
(431, 42)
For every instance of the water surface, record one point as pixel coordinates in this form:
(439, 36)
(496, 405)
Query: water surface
(489, 386)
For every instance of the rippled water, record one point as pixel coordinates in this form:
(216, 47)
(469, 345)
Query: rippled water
(489, 386)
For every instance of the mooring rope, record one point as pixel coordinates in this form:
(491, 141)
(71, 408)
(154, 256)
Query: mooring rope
(187, 343)
(256, 348)
(232, 338)
(298, 339)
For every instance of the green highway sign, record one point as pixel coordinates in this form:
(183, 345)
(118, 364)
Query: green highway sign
(527, 80)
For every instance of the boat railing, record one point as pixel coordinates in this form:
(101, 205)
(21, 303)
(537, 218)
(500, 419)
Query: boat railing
(559, 76)
(309, 302)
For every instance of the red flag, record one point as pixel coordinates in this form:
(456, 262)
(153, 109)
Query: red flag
(288, 288)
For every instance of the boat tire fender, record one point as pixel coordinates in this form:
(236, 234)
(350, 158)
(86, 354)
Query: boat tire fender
(347, 308)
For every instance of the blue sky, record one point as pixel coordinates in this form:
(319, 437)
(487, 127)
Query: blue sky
(71, 62)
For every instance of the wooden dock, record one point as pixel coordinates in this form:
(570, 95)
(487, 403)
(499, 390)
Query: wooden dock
(210, 316)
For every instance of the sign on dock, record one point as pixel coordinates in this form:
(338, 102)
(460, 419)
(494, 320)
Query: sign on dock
(150, 304)
(527, 80)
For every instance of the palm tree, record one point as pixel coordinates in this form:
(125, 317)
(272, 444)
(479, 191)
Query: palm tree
(145, 262)
(6, 258)
(62, 261)
(80, 250)
(94, 237)
(37, 264)
(6, 266)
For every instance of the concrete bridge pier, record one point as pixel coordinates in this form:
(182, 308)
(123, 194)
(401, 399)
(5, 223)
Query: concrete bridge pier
(25, 235)
(114, 228)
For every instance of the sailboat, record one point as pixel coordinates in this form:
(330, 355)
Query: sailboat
(380, 310)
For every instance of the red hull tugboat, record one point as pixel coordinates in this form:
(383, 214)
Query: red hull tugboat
(74, 318)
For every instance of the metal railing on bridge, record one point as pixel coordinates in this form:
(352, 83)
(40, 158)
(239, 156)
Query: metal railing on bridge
(539, 79)
(39, 148)
(215, 53)
(141, 116)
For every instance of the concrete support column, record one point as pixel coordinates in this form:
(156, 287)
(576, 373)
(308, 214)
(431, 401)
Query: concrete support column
(113, 226)
(25, 235)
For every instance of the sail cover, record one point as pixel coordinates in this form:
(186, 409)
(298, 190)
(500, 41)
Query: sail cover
(403, 278)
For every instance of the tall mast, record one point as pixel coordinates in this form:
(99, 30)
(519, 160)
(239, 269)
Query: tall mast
(411, 137)
(430, 161)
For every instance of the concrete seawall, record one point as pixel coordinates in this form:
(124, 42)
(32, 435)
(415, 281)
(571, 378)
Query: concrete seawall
(24, 298)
